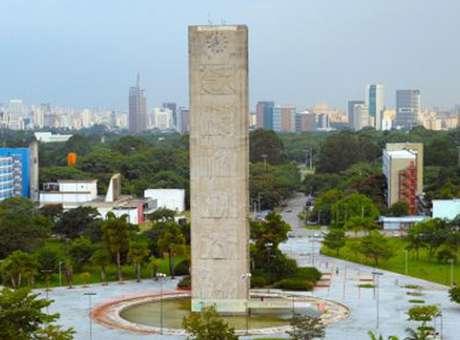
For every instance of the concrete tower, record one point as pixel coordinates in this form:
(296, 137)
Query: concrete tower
(219, 156)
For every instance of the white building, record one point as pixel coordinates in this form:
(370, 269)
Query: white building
(446, 209)
(69, 193)
(360, 114)
(75, 193)
(163, 118)
(48, 137)
(173, 199)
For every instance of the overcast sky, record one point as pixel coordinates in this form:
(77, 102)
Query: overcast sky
(87, 52)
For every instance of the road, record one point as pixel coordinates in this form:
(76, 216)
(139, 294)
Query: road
(389, 300)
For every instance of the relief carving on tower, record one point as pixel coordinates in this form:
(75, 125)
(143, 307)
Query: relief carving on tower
(217, 80)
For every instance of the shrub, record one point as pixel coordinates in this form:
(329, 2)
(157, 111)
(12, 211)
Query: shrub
(444, 255)
(308, 273)
(416, 301)
(295, 284)
(366, 285)
(414, 293)
(258, 281)
(413, 287)
(182, 268)
(185, 283)
(454, 294)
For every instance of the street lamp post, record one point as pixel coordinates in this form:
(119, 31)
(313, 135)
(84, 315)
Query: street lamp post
(90, 294)
(161, 277)
(376, 283)
(451, 261)
(247, 278)
(60, 272)
(47, 272)
(406, 264)
(264, 156)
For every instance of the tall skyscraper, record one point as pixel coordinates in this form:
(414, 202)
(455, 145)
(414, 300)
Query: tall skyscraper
(183, 121)
(284, 118)
(350, 112)
(137, 120)
(408, 106)
(376, 105)
(264, 112)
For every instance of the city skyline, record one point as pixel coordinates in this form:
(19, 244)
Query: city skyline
(90, 65)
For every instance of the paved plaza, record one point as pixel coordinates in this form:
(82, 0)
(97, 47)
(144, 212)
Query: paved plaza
(392, 296)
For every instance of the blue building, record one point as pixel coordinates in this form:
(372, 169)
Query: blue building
(264, 115)
(14, 172)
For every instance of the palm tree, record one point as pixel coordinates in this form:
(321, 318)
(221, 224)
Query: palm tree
(137, 253)
(116, 236)
(374, 336)
(68, 271)
(171, 241)
(419, 334)
(154, 265)
(101, 257)
(19, 265)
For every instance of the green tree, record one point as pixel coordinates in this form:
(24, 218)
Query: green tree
(21, 226)
(265, 145)
(101, 258)
(116, 237)
(306, 328)
(154, 265)
(81, 221)
(80, 251)
(419, 334)
(423, 314)
(22, 317)
(208, 325)
(398, 209)
(162, 215)
(454, 294)
(434, 232)
(415, 239)
(271, 231)
(358, 223)
(375, 246)
(138, 252)
(171, 241)
(335, 240)
(324, 203)
(341, 150)
(19, 266)
(354, 205)
(374, 336)
(49, 256)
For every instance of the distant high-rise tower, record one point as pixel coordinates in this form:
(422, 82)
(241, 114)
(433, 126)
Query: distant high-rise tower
(264, 114)
(173, 107)
(351, 111)
(375, 103)
(408, 106)
(137, 120)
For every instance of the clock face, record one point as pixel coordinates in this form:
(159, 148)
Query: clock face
(216, 42)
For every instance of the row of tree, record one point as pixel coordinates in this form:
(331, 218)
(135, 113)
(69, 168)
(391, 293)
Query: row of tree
(79, 239)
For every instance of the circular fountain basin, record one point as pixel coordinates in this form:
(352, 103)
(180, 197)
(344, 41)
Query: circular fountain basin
(271, 313)
(176, 309)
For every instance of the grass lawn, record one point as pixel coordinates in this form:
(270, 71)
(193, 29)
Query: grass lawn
(424, 268)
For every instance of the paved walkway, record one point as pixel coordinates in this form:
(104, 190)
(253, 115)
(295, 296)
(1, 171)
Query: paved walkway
(393, 300)
(392, 295)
